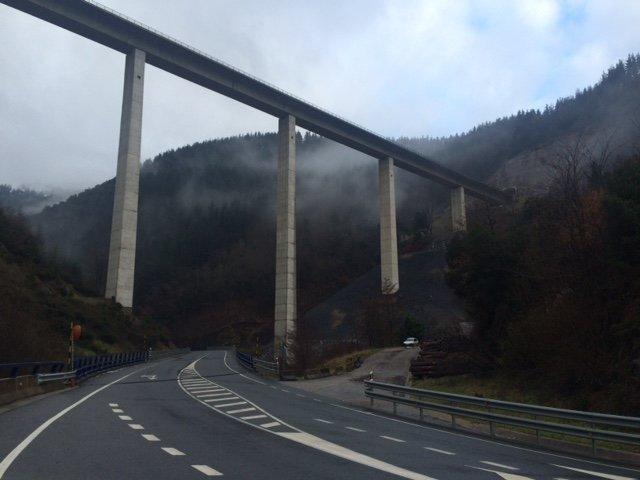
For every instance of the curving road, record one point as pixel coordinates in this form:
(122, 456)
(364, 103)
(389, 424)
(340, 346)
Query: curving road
(200, 416)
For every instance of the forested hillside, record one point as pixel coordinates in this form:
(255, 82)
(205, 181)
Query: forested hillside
(38, 303)
(206, 239)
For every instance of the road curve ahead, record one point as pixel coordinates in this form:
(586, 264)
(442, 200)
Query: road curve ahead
(200, 415)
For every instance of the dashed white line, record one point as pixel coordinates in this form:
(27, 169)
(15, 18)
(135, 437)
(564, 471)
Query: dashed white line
(172, 451)
(208, 471)
(300, 395)
(321, 420)
(270, 424)
(242, 410)
(283, 390)
(274, 387)
(437, 450)
(136, 426)
(355, 429)
(149, 437)
(393, 439)
(499, 465)
(113, 405)
(317, 400)
(127, 418)
(231, 404)
(117, 410)
(253, 417)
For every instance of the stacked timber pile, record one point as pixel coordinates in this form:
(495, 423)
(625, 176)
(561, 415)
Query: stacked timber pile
(448, 356)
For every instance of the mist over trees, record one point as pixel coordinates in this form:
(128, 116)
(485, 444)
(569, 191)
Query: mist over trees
(206, 238)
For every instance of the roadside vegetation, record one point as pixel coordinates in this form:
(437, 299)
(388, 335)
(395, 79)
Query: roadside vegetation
(554, 288)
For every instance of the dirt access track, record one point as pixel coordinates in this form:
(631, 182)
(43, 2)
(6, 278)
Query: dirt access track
(390, 365)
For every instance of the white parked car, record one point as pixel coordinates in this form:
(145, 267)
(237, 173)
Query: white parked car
(411, 342)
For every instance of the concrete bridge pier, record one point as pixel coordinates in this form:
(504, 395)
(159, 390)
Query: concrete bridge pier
(458, 210)
(122, 247)
(388, 237)
(286, 305)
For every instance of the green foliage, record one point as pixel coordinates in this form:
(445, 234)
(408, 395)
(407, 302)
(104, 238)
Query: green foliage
(555, 288)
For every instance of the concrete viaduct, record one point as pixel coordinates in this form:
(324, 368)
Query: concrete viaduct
(143, 45)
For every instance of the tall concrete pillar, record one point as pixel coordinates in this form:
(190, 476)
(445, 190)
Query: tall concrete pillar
(458, 210)
(286, 309)
(388, 236)
(122, 247)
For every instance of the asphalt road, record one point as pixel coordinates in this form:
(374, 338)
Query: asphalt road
(201, 415)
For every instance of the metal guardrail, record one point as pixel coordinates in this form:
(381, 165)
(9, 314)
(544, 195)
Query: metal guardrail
(13, 370)
(492, 411)
(54, 377)
(258, 365)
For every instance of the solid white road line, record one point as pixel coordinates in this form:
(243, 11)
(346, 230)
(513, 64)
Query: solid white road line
(13, 454)
(172, 451)
(224, 359)
(270, 424)
(595, 474)
(149, 437)
(483, 440)
(499, 465)
(113, 405)
(136, 426)
(208, 471)
(437, 450)
(231, 404)
(242, 410)
(322, 445)
(504, 475)
(333, 449)
(117, 410)
(355, 429)
(252, 417)
(125, 417)
(393, 439)
(321, 420)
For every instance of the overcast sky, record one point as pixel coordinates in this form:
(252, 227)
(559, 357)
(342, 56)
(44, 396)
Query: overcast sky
(398, 67)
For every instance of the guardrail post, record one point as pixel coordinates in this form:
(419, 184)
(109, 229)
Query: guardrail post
(421, 415)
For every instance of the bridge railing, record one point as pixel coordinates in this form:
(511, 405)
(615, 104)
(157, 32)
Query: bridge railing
(14, 370)
(595, 427)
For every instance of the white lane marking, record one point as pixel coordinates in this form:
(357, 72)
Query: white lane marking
(317, 400)
(241, 410)
(205, 390)
(437, 450)
(499, 465)
(270, 424)
(252, 417)
(393, 439)
(285, 391)
(208, 471)
(113, 405)
(321, 420)
(149, 437)
(355, 429)
(218, 394)
(274, 387)
(125, 417)
(208, 400)
(595, 474)
(301, 396)
(504, 475)
(492, 442)
(231, 404)
(117, 410)
(327, 447)
(13, 454)
(172, 451)
(338, 451)
(235, 371)
(136, 426)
